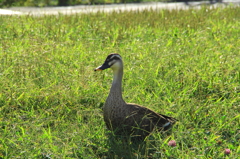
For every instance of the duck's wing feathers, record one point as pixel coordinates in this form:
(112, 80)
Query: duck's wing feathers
(150, 117)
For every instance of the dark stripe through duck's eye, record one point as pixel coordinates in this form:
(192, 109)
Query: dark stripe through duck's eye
(112, 58)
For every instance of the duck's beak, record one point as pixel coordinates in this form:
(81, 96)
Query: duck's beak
(98, 69)
(102, 67)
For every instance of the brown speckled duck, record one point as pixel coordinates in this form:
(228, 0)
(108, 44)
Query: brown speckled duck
(125, 118)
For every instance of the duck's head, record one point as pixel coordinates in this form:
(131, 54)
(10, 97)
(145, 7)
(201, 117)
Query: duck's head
(113, 61)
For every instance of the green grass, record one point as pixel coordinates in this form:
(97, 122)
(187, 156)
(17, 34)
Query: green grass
(183, 64)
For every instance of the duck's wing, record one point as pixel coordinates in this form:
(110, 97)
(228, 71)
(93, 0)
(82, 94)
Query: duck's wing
(149, 117)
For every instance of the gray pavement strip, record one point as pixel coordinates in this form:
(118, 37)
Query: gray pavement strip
(110, 8)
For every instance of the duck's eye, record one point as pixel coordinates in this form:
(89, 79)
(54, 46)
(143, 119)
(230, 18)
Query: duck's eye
(111, 62)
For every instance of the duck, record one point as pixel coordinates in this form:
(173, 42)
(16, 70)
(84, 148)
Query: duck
(129, 119)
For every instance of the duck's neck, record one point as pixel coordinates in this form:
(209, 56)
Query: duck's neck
(116, 89)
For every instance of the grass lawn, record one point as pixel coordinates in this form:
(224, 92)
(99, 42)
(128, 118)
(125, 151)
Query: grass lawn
(183, 64)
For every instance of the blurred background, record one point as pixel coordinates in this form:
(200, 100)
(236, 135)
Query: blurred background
(44, 3)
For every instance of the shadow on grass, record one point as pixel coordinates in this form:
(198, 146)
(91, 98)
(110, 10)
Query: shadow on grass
(128, 148)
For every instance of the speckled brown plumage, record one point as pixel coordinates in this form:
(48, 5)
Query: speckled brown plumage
(126, 118)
